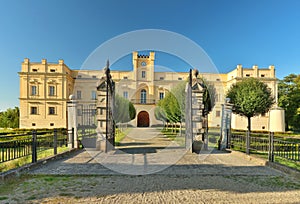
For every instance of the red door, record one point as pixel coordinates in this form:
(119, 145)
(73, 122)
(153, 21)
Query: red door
(143, 119)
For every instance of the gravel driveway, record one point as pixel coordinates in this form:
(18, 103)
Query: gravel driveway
(154, 171)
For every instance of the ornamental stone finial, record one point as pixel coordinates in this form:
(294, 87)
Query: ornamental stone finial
(195, 73)
(107, 64)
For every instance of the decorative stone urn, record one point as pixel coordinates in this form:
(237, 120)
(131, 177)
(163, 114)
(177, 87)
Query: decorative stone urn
(197, 146)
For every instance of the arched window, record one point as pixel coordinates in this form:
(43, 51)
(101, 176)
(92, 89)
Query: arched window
(143, 96)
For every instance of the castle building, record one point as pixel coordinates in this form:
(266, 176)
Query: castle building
(45, 89)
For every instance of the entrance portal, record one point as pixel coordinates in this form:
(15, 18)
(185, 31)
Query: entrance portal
(143, 119)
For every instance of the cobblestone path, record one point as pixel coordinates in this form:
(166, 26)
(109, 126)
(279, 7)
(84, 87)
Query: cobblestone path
(150, 168)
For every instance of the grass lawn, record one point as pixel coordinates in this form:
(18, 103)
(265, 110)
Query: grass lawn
(264, 155)
(120, 135)
(5, 166)
(174, 136)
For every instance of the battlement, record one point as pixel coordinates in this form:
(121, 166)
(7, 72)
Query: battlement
(254, 71)
(143, 56)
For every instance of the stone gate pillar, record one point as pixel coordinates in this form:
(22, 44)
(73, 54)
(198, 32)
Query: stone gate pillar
(195, 129)
(225, 125)
(72, 122)
(105, 104)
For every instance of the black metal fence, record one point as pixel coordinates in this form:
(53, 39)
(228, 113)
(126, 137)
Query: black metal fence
(267, 145)
(17, 146)
(287, 150)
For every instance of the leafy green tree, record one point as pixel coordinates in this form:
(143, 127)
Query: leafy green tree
(159, 112)
(250, 97)
(124, 110)
(10, 118)
(172, 107)
(288, 99)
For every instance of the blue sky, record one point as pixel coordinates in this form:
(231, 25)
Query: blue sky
(231, 32)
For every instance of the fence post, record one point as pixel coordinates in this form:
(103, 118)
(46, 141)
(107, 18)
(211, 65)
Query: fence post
(72, 138)
(248, 142)
(34, 146)
(271, 147)
(298, 158)
(55, 141)
(227, 138)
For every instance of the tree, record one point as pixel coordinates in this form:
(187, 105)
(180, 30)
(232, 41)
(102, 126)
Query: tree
(124, 110)
(10, 118)
(250, 97)
(288, 99)
(172, 107)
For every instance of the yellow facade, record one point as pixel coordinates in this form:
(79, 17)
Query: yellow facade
(143, 86)
(44, 91)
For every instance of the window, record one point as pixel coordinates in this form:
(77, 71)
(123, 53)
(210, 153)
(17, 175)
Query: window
(179, 78)
(33, 110)
(52, 70)
(51, 124)
(51, 90)
(51, 110)
(33, 124)
(161, 95)
(143, 96)
(34, 70)
(33, 90)
(94, 95)
(161, 78)
(79, 112)
(247, 75)
(94, 112)
(217, 79)
(79, 76)
(125, 94)
(262, 75)
(125, 77)
(78, 94)
(143, 74)
(218, 113)
(94, 77)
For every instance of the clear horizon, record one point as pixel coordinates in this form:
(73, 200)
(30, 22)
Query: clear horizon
(231, 32)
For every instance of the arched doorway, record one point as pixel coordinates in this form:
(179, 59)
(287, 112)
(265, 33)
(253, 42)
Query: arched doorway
(143, 119)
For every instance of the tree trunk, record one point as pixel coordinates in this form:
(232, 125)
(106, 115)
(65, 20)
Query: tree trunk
(249, 124)
(248, 136)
